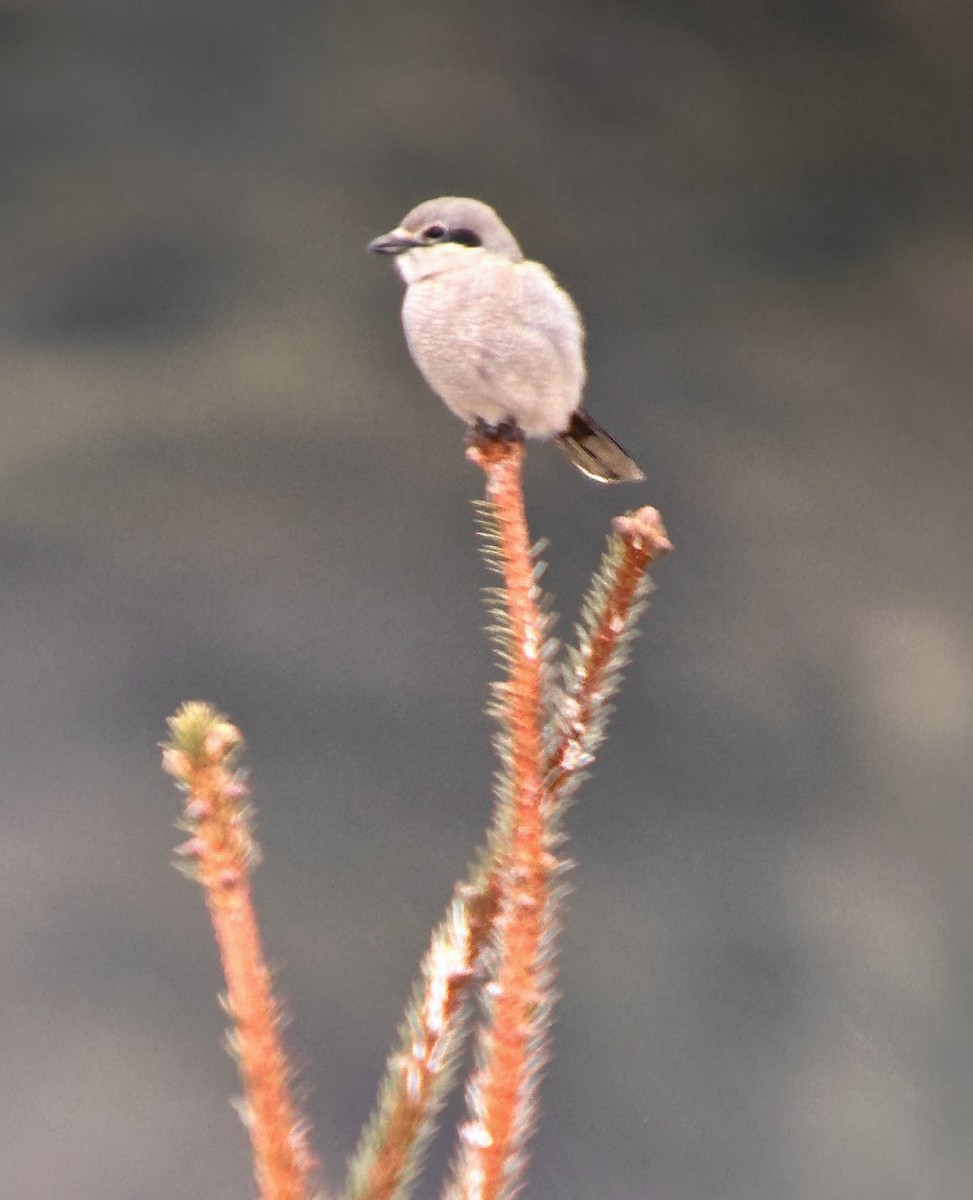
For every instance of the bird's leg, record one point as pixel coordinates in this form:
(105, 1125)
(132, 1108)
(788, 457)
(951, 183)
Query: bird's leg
(505, 432)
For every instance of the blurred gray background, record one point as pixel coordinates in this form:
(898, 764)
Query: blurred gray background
(221, 477)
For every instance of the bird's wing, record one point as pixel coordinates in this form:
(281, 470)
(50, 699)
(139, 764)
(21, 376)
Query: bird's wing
(548, 308)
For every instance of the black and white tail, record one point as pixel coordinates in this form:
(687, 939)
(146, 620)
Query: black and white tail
(594, 451)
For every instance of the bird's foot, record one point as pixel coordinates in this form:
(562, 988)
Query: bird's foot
(507, 432)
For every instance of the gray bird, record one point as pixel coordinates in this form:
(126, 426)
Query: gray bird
(494, 335)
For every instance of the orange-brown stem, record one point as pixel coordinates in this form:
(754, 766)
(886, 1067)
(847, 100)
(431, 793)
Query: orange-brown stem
(419, 1069)
(644, 540)
(221, 850)
(413, 1089)
(494, 1138)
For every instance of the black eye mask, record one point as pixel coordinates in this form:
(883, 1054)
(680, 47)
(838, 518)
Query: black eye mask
(464, 237)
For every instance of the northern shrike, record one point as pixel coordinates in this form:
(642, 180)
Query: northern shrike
(494, 335)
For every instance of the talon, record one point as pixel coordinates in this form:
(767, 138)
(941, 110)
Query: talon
(506, 432)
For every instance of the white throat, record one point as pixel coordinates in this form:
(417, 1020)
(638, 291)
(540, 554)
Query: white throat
(423, 262)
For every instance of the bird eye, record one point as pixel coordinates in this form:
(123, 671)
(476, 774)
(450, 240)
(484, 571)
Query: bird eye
(433, 232)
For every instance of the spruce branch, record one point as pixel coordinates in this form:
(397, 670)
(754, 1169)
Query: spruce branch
(499, 930)
(201, 754)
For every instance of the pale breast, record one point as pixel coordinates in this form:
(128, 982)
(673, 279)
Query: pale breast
(496, 340)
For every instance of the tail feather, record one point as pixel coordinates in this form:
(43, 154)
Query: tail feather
(594, 451)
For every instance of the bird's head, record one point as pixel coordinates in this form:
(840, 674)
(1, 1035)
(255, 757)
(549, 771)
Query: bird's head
(446, 234)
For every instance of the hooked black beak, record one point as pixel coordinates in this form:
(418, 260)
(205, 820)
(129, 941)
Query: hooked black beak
(395, 242)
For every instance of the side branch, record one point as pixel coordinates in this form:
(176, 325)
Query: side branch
(200, 755)
(614, 600)
(420, 1069)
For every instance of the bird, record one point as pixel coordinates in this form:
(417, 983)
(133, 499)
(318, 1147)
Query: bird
(494, 334)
